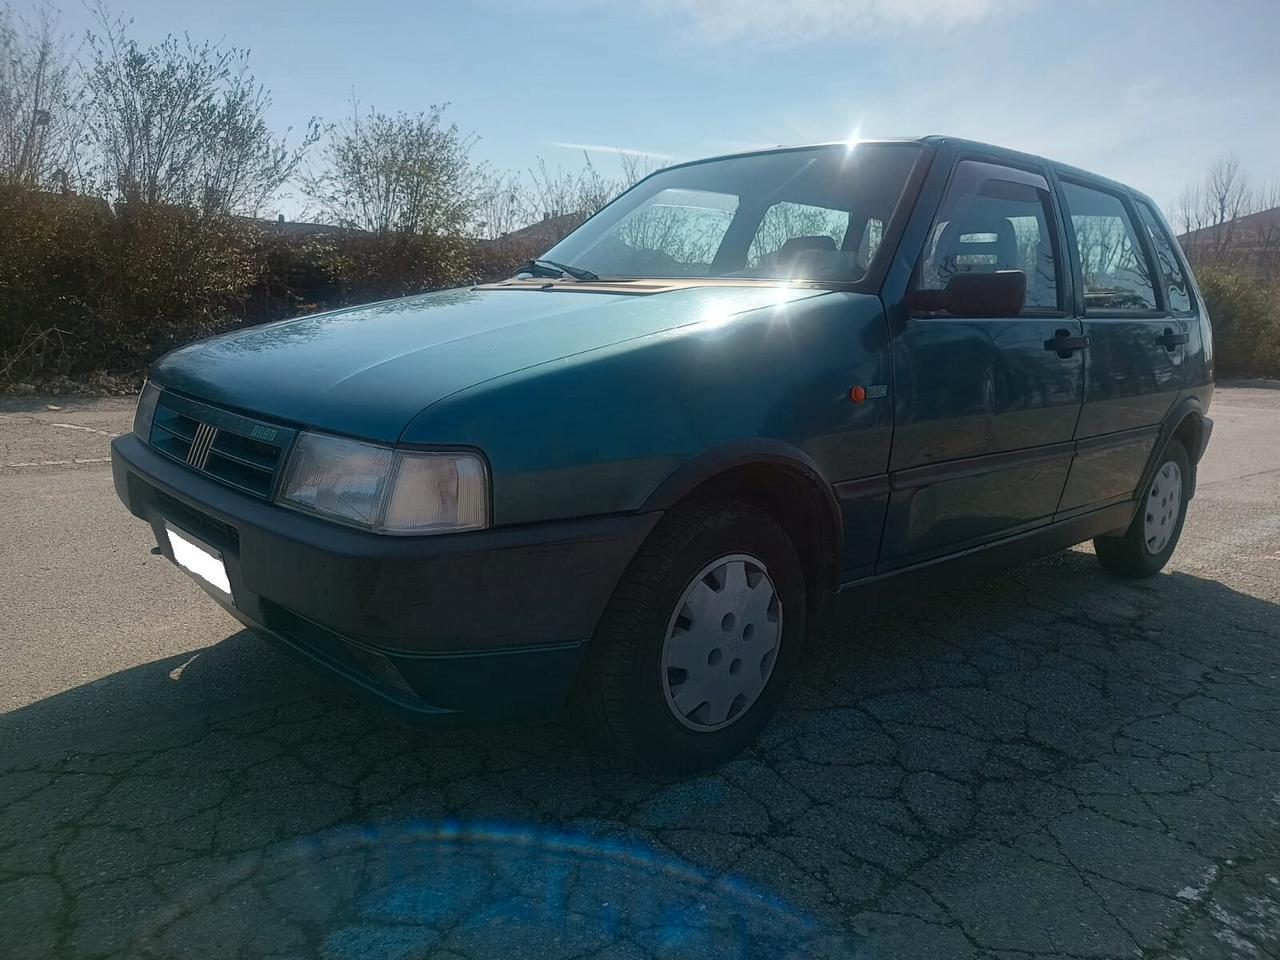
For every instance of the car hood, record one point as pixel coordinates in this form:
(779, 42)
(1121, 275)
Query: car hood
(367, 371)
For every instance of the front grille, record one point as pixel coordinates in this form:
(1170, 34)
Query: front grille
(241, 452)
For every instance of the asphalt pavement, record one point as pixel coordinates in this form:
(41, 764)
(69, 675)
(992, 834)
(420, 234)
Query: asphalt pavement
(1052, 763)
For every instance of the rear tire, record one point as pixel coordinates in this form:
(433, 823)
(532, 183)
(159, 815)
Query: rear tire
(700, 640)
(1143, 549)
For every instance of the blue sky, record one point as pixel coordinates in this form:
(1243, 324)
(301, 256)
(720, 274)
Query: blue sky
(1146, 92)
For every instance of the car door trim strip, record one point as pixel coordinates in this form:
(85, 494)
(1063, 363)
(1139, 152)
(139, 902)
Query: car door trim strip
(931, 473)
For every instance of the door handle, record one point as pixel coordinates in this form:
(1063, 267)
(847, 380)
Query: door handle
(1171, 341)
(1064, 344)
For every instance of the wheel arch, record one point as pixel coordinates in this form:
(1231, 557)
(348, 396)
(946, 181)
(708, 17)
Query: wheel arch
(1184, 423)
(781, 480)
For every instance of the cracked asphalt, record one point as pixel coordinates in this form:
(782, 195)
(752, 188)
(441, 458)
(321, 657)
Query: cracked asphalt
(1053, 763)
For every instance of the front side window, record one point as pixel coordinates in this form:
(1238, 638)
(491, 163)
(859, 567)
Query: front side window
(1175, 281)
(787, 222)
(814, 214)
(1113, 265)
(987, 224)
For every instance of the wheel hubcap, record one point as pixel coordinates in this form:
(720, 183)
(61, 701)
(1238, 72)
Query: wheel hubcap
(721, 643)
(1164, 500)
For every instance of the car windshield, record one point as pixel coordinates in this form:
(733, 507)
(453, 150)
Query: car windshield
(815, 214)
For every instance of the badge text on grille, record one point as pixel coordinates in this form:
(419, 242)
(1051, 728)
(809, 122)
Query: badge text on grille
(198, 455)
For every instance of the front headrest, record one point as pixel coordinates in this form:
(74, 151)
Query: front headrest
(983, 237)
(797, 244)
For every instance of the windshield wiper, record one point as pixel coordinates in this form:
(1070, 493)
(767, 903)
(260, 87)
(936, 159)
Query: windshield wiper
(542, 267)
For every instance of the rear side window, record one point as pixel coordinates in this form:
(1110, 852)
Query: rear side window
(986, 224)
(1175, 281)
(1113, 265)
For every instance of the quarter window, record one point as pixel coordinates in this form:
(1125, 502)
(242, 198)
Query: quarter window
(991, 224)
(1175, 281)
(1113, 265)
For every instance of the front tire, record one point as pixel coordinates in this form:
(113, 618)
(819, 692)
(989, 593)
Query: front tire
(700, 640)
(1143, 549)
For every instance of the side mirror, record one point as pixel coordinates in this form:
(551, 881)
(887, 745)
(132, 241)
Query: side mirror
(1002, 293)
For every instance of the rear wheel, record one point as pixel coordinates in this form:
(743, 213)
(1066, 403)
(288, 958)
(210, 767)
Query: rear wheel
(700, 639)
(1147, 545)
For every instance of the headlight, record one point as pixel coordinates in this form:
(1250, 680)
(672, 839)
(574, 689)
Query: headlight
(146, 411)
(390, 491)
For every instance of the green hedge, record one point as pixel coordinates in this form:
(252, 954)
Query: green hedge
(1246, 321)
(83, 288)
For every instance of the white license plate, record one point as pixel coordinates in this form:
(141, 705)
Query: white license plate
(198, 559)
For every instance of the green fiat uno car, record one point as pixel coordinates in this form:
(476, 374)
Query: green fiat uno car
(634, 475)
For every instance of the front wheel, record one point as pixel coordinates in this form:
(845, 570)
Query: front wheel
(693, 655)
(1144, 549)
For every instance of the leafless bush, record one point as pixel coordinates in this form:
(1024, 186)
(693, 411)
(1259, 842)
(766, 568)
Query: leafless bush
(566, 196)
(181, 123)
(38, 348)
(402, 173)
(582, 190)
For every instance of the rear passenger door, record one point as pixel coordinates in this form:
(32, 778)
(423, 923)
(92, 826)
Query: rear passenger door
(984, 407)
(1133, 364)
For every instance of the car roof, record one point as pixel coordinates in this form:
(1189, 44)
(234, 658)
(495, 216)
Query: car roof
(938, 141)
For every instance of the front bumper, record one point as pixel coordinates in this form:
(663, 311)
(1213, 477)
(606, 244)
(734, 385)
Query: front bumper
(485, 624)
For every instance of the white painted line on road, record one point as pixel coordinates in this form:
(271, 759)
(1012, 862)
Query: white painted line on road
(56, 463)
(1242, 476)
(76, 426)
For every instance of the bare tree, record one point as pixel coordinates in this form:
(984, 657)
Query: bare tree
(37, 101)
(558, 192)
(1266, 233)
(407, 173)
(182, 123)
(578, 193)
(1212, 209)
(1222, 196)
(503, 206)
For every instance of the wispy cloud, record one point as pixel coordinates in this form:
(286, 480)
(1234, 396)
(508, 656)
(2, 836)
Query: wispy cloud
(622, 151)
(792, 20)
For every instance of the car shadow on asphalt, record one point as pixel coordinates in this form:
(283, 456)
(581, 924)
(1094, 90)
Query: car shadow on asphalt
(1051, 760)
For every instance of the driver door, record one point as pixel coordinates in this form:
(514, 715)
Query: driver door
(985, 408)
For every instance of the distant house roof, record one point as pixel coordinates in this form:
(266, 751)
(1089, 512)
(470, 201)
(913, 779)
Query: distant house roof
(71, 198)
(1252, 241)
(1254, 228)
(297, 228)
